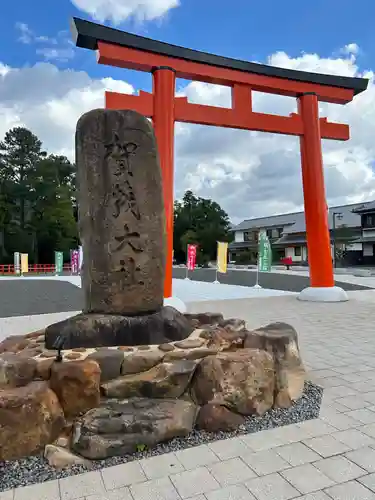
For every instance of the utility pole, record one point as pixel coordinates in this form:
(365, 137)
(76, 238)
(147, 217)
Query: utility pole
(339, 216)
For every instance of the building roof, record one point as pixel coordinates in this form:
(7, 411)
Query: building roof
(366, 207)
(87, 34)
(295, 222)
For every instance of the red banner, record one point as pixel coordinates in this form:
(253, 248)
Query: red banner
(74, 261)
(191, 257)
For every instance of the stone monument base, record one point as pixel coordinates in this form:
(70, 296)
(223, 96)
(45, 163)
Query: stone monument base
(106, 330)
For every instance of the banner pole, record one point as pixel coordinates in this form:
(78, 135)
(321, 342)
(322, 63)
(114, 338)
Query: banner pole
(217, 282)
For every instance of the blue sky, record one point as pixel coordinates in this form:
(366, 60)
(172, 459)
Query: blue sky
(251, 31)
(46, 84)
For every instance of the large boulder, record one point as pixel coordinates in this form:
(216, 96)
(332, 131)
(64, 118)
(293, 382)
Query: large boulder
(125, 426)
(167, 380)
(16, 370)
(140, 361)
(242, 380)
(77, 385)
(13, 343)
(109, 361)
(218, 418)
(30, 418)
(106, 330)
(224, 338)
(281, 341)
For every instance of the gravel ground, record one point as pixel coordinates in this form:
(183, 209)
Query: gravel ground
(23, 297)
(35, 469)
(273, 281)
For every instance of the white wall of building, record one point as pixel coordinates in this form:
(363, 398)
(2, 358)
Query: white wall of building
(353, 247)
(368, 250)
(291, 252)
(238, 237)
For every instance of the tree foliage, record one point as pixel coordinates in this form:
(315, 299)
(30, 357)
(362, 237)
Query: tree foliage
(38, 212)
(37, 203)
(199, 221)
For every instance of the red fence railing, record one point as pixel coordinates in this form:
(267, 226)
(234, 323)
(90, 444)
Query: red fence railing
(6, 269)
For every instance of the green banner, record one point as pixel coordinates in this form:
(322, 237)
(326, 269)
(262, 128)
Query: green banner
(264, 253)
(59, 262)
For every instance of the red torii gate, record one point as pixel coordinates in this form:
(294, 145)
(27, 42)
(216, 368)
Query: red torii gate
(167, 62)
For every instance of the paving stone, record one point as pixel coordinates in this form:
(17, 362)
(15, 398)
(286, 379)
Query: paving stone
(339, 392)
(263, 440)
(194, 482)
(350, 491)
(331, 381)
(119, 494)
(315, 428)
(364, 457)
(327, 446)
(340, 421)
(122, 475)
(369, 396)
(369, 430)
(156, 489)
(288, 434)
(161, 465)
(364, 415)
(265, 462)
(82, 485)
(368, 481)
(317, 495)
(338, 407)
(234, 492)
(353, 438)
(353, 402)
(271, 487)
(42, 491)
(196, 456)
(7, 495)
(339, 469)
(297, 454)
(232, 471)
(229, 448)
(307, 478)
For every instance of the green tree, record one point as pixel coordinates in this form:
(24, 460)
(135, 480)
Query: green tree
(37, 202)
(52, 201)
(201, 221)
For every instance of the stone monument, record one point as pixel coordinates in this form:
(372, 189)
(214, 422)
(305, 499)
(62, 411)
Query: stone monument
(122, 227)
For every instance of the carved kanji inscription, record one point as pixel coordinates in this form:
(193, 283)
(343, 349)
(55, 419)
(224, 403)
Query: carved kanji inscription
(121, 213)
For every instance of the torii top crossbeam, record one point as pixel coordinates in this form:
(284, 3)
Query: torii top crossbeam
(201, 66)
(167, 62)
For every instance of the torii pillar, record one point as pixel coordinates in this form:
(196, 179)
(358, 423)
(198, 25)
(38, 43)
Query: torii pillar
(167, 62)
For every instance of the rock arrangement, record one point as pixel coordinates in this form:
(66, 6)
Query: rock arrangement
(122, 229)
(127, 373)
(106, 402)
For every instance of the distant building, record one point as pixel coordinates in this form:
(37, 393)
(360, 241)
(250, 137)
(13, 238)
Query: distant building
(352, 230)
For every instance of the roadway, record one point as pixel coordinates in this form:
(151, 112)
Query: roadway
(21, 297)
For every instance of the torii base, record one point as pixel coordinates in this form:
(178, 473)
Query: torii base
(323, 294)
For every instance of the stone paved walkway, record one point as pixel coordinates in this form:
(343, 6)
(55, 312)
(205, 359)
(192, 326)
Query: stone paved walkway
(332, 457)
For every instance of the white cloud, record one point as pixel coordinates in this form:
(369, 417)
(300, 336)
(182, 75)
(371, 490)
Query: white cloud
(59, 48)
(351, 48)
(117, 11)
(248, 173)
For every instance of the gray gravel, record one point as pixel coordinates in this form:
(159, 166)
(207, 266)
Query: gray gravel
(35, 469)
(32, 296)
(23, 297)
(273, 281)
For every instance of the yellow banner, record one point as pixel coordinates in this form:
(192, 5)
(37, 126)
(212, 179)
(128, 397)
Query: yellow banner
(24, 263)
(222, 256)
